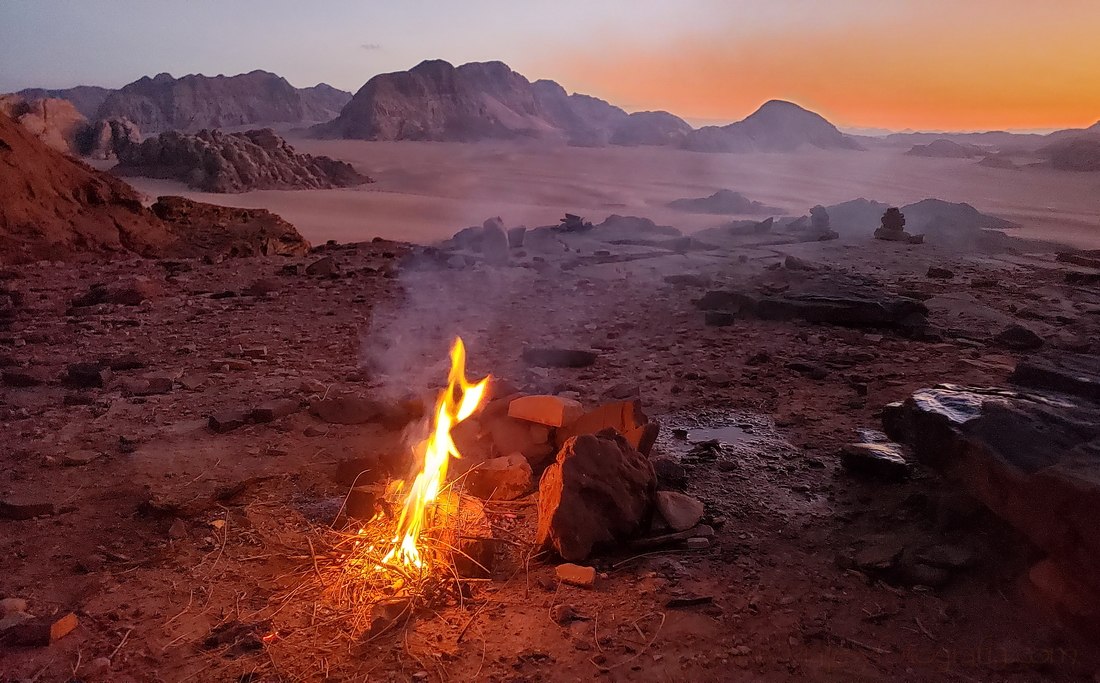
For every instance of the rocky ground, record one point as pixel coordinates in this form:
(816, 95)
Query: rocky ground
(191, 549)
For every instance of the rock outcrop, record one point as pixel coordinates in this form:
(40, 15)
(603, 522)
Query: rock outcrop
(1032, 457)
(1077, 154)
(106, 137)
(54, 207)
(195, 102)
(893, 228)
(55, 122)
(777, 126)
(86, 98)
(220, 232)
(946, 149)
(213, 161)
(723, 202)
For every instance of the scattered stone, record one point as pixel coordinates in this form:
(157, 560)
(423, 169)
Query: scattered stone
(361, 503)
(599, 489)
(504, 478)
(697, 543)
(880, 460)
(12, 605)
(880, 557)
(552, 411)
(347, 410)
(78, 458)
(25, 377)
(269, 411)
(850, 310)
(262, 287)
(323, 267)
(146, 386)
(670, 473)
(649, 542)
(87, 375)
(690, 600)
(127, 292)
(41, 631)
(228, 420)
(23, 508)
(795, 263)
(559, 358)
(680, 511)
(563, 615)
(940, 273)
(576, 575)
(1019, 338)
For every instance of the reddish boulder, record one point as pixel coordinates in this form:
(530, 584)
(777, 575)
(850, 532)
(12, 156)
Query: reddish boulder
(599, 490)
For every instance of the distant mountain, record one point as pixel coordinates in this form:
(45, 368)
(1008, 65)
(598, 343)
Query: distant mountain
(777, 126)
(195, 102)
(86, 98)
(437, 101)
(1074, 154)
(946, 149)
(651, 128)
(997, 139)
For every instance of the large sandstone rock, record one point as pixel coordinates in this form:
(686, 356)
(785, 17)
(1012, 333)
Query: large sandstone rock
(104, 138)
(1032, 458)
(722, 202)
(213, 161)
(53, 207)
(86, 98)
(196, 101)
(599, 490)
(55, 122)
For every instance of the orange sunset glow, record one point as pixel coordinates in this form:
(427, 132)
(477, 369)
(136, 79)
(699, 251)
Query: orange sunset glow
(934, 65)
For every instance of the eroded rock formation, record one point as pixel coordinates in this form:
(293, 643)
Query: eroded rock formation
(214, 161)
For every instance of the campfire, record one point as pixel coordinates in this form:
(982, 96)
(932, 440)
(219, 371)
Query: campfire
(491, 454)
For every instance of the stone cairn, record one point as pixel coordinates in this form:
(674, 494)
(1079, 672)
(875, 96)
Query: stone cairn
(819, 224)
(893, 228)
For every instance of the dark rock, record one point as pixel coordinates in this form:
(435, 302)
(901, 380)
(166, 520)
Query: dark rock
(21, 507)
(1033, 459)
(559, 358)
(347, 410)
(947, 556)
(1074, 374)
(269, 411)
(940, 273)
(126, 292)
(795, 263)
(599, 490)
(879, 460)
(40, 631)
(358, 471)
(227, 421)
(87, 375)
(323, 267)
(504, 478)
(688, 280)
(361, 503)
(516, 236)
(25, 377)
(1019, 338)
(670, 473)
(147, 386)
(718, 319)
(848, 310)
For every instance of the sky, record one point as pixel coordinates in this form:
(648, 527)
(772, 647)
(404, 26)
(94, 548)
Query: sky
(894, 64)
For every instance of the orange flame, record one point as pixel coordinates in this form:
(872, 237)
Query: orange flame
(455, 403)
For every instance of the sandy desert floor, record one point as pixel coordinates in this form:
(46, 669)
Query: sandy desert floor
(427, 191)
